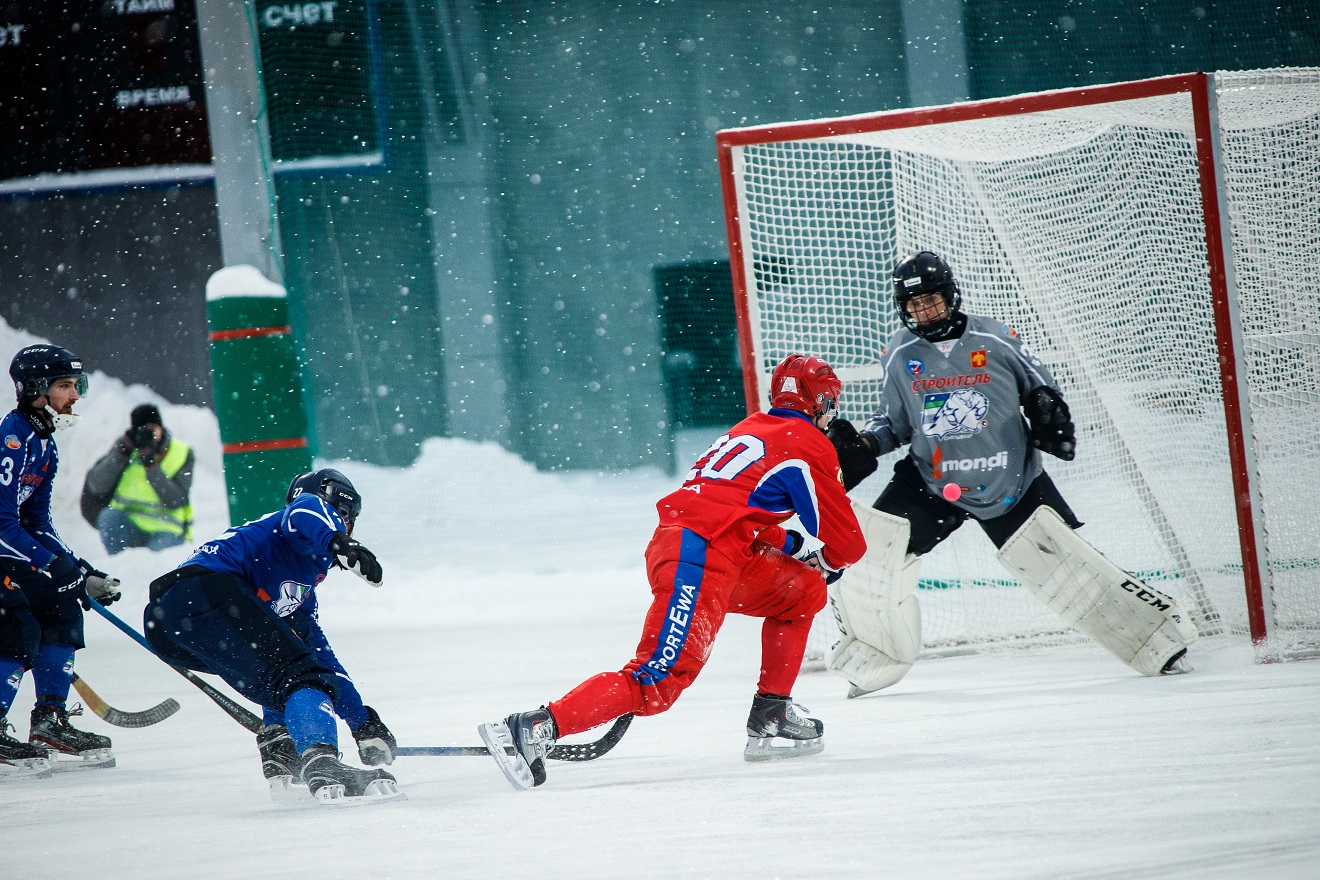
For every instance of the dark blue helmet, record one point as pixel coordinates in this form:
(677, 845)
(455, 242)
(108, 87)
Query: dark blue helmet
(332, 486)
(36, 366)
(926, 272)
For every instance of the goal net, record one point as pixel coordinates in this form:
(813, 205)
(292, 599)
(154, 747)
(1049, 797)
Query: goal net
(1157, 243)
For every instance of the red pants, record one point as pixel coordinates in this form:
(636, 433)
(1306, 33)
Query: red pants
(693, 586)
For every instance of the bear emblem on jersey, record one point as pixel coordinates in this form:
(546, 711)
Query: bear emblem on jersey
(953, 413)
(291, 596)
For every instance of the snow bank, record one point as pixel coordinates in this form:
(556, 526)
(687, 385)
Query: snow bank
(464, 514)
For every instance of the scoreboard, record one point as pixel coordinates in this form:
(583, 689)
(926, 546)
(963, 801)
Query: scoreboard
(318, 70)
(99, 84)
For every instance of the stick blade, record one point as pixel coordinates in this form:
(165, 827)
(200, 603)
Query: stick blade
(145, 718)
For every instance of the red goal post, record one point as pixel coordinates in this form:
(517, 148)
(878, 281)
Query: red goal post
(1157, 242)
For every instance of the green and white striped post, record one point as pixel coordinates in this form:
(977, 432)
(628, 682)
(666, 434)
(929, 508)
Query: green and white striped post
(257, 388)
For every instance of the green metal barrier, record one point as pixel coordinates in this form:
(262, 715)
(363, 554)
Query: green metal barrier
(258, 390)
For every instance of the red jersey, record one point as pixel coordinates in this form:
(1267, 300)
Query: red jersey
(768, 467)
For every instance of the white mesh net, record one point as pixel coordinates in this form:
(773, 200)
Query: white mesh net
(1083, 228)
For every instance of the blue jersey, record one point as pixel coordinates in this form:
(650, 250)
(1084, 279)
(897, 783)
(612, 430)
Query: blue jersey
(281, 557)
(28, 462)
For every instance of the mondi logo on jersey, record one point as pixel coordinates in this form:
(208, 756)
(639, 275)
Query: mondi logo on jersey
(980, 463)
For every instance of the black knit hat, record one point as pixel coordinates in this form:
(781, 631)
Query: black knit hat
(146, 414)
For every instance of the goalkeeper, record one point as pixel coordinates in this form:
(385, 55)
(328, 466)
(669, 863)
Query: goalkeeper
(976, 407)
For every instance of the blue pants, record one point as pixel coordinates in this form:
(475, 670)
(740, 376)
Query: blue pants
(213, 622)
(118, 533)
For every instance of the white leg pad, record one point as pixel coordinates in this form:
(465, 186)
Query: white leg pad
(1136, 623)
(875, 607)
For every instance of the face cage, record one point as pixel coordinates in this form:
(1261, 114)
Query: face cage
(42, 386)
(345, 509)
(952, 299)
(829, 409)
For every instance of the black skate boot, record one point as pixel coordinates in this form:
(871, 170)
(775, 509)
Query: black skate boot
(334, 783)
(20, 760)
(775, 730)
(531, 736)
(68, 747)
(280, 764)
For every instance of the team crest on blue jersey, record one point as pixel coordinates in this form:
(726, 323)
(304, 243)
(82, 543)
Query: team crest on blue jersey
(13, 442)
(292, 594)
(916, 367)
(953, 413)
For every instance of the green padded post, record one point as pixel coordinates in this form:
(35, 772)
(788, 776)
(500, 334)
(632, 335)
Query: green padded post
(258, 390)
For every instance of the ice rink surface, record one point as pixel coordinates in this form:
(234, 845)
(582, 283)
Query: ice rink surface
(1047, 764)
(506, 586)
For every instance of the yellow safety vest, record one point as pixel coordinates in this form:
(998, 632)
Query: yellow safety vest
(135, 496)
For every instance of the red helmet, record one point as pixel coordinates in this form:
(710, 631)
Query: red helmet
(805, 384)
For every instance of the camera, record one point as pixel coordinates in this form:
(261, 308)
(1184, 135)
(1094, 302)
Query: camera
(144, 437)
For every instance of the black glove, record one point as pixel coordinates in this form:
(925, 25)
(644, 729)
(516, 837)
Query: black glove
(124, 445)
(375, 743)
(1052, 429)
(795, 543)
(816, 559)
(857, 457)
(67, 577)
(352, 556)
(98, 586)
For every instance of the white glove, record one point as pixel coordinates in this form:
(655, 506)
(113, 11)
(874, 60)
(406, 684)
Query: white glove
(100, 587)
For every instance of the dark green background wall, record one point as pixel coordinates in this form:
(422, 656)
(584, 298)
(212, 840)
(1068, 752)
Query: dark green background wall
(497, 274)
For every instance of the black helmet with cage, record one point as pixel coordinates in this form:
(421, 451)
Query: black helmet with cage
(926, 272)
(332, 486)
(35, 367)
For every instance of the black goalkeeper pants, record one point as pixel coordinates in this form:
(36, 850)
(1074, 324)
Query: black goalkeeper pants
(933, 519)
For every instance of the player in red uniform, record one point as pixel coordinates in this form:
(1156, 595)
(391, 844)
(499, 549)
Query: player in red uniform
(720, 548)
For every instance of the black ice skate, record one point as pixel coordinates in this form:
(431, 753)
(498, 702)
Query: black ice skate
(775, 730)
(281, 765)
(20, 760)
(334, 783)
(67, 747)
(532, 735)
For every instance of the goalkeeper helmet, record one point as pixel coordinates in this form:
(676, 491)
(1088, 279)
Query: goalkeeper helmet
(925, 273)
(806, 384)
(332, 486)
(35, 367)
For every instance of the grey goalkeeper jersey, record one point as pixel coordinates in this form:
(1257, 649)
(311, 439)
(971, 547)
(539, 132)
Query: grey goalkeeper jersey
(958, 404)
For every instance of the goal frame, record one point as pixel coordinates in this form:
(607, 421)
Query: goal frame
(1201, 89)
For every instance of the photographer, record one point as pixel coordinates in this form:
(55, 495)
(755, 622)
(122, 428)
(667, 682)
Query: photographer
(137, 494)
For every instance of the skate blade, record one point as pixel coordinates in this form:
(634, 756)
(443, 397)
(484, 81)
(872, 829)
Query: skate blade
(776, 748)
(1178, 666)
(499, 742)
(378, 791)
(283, 791)
(25, 768)
(90, 759)
(854, 691)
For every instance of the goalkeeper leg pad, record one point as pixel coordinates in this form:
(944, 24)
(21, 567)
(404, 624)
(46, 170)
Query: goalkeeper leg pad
(875, 608)
(1139, 625)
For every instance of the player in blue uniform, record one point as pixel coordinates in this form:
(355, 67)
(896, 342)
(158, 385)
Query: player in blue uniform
(244, 607)
(45, 585)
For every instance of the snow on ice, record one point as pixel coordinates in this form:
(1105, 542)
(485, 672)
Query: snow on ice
(505, 586)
